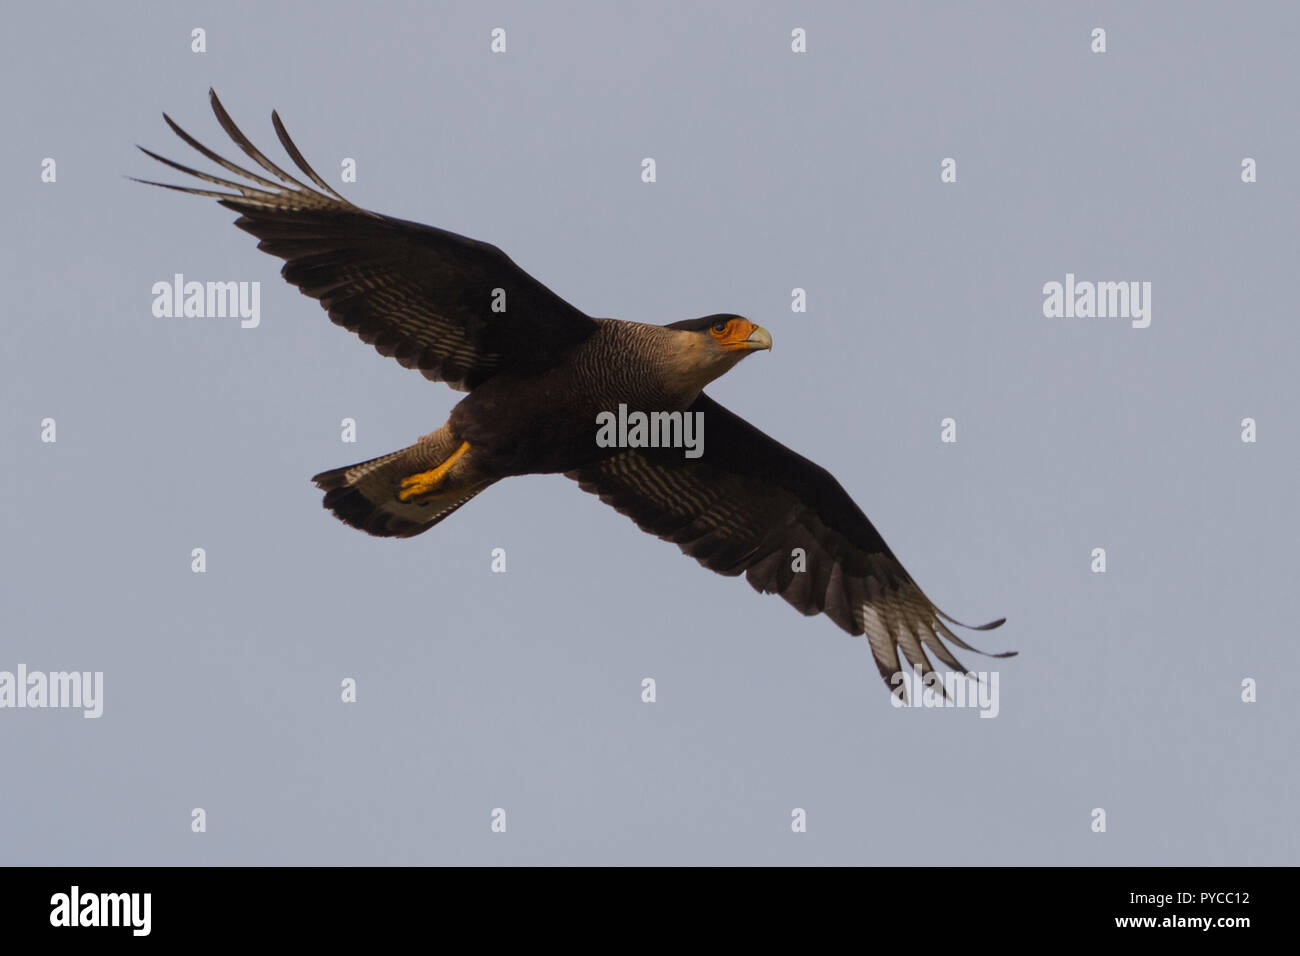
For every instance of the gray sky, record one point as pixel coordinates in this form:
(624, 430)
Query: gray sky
(522, 690)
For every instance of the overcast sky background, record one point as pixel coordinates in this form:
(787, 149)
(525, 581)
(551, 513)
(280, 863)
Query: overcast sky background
(523, 690)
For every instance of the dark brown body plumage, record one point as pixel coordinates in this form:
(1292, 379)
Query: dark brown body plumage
(546, 422)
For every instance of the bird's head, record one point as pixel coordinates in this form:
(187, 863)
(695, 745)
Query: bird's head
(707, 347)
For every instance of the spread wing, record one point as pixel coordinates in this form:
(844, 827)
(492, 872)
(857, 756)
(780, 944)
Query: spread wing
(748, 503)
(424, 296)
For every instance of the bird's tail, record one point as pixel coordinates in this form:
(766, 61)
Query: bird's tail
(403, 493)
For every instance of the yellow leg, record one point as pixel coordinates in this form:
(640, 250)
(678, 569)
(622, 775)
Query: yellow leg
(413, 486)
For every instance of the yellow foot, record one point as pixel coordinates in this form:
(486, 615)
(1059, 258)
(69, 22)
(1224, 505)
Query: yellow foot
(413, 486)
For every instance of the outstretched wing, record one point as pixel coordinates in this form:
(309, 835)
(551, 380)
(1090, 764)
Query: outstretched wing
(747, 503)
(422, 295)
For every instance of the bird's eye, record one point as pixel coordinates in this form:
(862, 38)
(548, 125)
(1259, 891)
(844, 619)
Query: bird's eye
(720, 326)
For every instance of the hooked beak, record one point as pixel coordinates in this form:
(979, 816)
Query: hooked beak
(760, 338)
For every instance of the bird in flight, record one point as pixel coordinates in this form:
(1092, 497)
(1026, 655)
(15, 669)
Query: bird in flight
(544, 383)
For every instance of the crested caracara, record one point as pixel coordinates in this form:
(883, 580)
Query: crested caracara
(540, 377)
